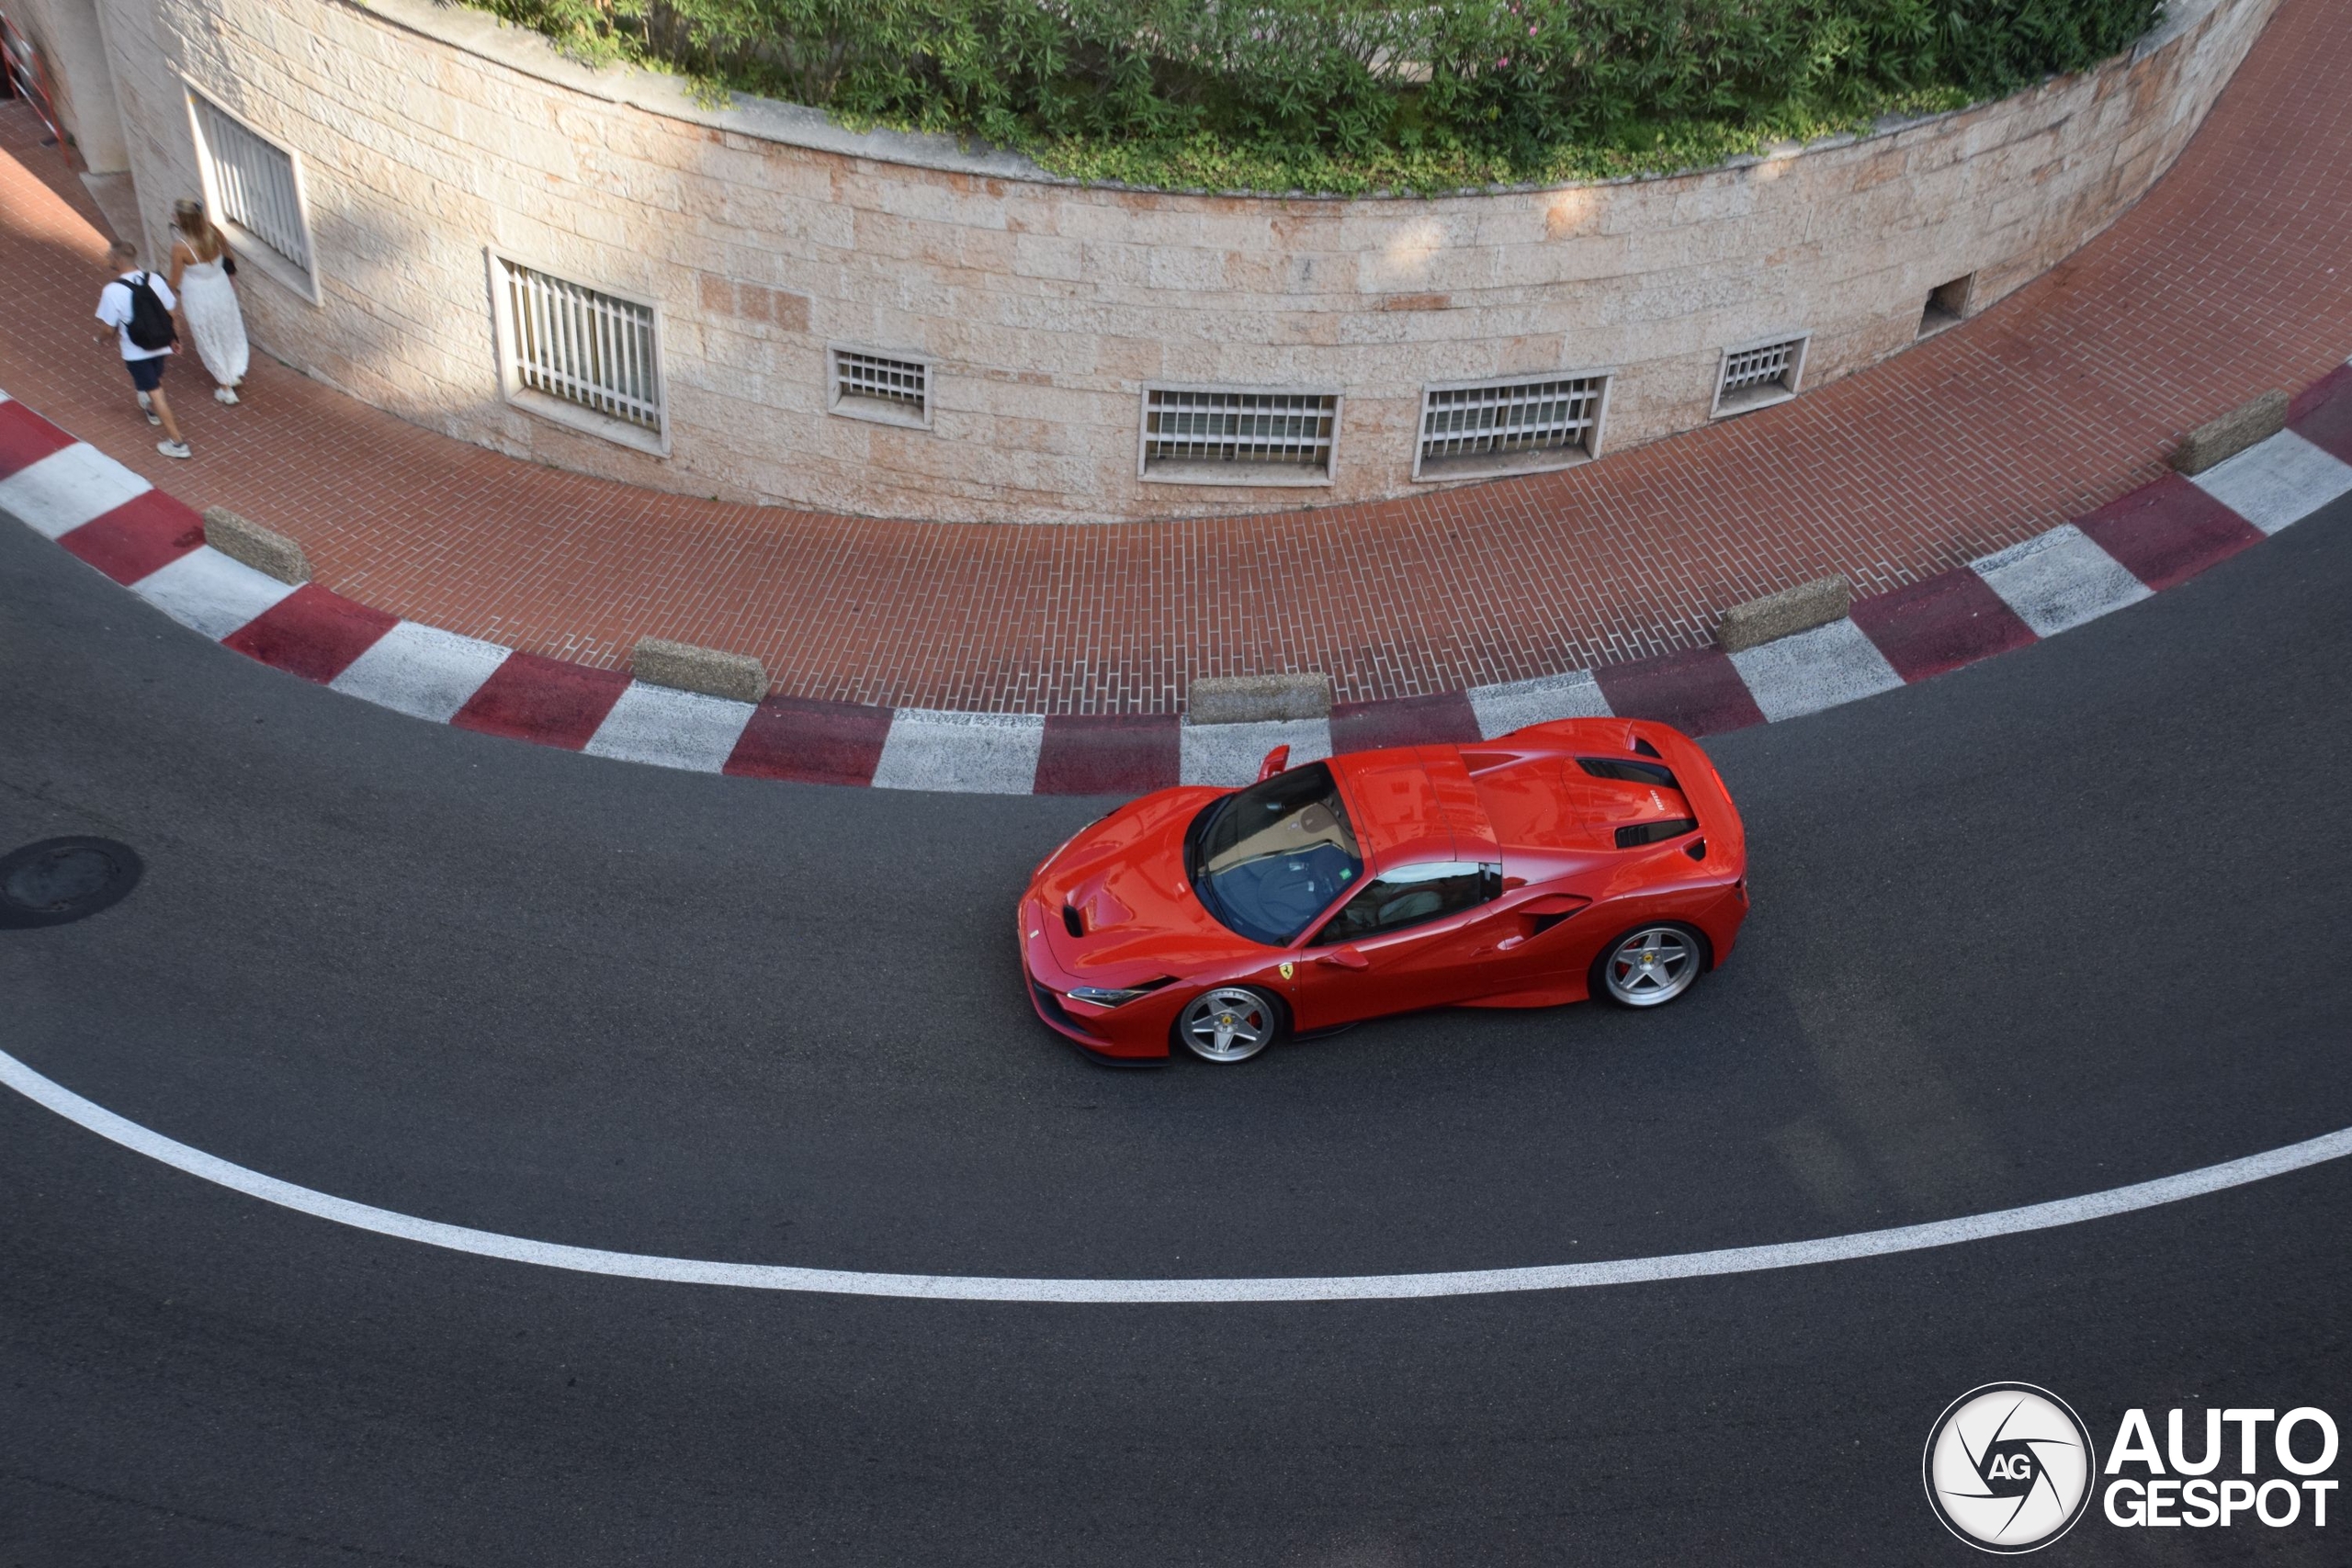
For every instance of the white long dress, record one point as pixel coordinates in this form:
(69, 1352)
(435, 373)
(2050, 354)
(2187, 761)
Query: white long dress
(210, 301)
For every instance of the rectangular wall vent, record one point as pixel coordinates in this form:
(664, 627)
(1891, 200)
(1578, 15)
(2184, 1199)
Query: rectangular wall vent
(582, 348)
(251, 188)
(1207, 436)
(1498, 427)
(1761, 373)
(889, 388)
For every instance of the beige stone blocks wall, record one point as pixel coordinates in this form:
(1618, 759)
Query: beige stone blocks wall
(428, 136)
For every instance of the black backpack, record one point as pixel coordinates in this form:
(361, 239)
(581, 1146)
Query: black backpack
(151, 324)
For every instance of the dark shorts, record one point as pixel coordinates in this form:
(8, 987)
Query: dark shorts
(147, 374)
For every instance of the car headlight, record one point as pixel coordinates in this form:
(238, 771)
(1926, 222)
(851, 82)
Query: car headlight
(1111, 997)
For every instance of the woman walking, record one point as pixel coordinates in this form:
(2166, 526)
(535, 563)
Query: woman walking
(200, 270)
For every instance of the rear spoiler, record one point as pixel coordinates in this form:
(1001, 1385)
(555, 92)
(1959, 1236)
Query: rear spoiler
(1702, 785)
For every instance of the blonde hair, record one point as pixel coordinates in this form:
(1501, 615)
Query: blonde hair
(188, 217)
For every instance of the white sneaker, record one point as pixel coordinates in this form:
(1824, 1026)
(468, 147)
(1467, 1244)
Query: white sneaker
(224, 394)
(171, 448)
(147, 406)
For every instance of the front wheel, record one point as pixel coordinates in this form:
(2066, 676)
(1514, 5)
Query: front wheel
(1231, 1023)
(1650, 965)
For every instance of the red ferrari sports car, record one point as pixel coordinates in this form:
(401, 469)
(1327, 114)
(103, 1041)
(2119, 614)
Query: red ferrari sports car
(1591, 856)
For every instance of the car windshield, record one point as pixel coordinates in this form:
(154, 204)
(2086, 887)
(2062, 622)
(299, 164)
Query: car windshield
(1269, 859)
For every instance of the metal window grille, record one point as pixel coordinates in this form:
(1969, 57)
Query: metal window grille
(1505, 418)
(1291, 429)
(582, 345)
(904, 384)
(1752, 370)
(252, 183)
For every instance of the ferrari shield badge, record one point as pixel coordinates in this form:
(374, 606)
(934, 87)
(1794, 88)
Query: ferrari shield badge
(1288, 969)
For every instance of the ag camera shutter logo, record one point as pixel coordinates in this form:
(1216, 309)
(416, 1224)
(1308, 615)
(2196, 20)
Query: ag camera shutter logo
(2008, 1468)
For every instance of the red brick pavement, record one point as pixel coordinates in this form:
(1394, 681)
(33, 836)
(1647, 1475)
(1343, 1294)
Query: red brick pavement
(2232, 277)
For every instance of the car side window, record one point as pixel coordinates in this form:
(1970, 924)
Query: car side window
(1410, 896)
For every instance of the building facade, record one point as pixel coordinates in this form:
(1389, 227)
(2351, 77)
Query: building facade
(446, 219)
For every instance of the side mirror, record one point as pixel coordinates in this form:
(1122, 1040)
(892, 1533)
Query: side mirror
(1344, 958)
(1277, 761)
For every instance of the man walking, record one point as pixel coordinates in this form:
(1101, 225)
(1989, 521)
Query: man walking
(138, 306)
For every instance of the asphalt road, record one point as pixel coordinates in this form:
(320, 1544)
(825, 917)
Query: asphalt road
(2065, 920)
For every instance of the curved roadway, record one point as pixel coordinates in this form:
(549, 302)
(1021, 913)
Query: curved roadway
(2065, 921)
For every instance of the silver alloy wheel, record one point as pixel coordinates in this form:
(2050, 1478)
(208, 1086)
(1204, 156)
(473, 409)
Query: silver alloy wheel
(1231, 1023)
(1651, 966)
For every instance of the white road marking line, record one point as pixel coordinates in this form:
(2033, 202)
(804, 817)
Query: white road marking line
(421, 670)
(210, 592)
(670, 729)
(2059, 1211)
(1814, 670)
(2057, 581)
(968, 753)
(1228, 755)
(2278, 482)
(67, 489)
(1515, 704)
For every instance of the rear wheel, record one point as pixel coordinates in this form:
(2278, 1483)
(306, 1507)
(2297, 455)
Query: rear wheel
(1231, 1023)
(1650, 965)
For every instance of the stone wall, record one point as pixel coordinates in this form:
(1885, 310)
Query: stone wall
(72, 53)
(430, 134)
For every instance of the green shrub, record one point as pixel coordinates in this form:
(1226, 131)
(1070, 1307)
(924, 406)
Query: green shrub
(1349, 94)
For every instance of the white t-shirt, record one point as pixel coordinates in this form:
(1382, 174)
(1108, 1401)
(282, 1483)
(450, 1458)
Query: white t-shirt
(114, 310)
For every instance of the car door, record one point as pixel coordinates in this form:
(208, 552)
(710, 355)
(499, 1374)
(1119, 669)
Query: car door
(1410, 938)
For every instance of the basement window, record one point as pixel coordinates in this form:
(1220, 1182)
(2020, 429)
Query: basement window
(1758, 374)
(890, 388)
(580, 355)
(1947, 305)
(1472, 429)
(254, 191)
(1226, 436)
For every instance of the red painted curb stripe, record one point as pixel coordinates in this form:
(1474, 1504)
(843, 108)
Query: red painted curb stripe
(543, 700)
(1938, 624)
(311, 633)
(795, 738)
(26, 438)
(1698, 693)
(143, 534)
(1435, 720)
(2166, 533)
(2323, 415)
(1109, 753)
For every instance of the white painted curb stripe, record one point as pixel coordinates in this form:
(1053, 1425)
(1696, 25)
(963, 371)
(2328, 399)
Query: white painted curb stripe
(421, 670)
(208, 592)
(1346, 1286)
(1814, 670)
(2277, 482)
(968, 753)
(68, 488)
(2057, 581)
(670, 729)
(1515, 704)
(1228, 755)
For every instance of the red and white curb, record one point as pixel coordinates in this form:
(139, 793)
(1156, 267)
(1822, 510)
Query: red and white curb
(2150, 540)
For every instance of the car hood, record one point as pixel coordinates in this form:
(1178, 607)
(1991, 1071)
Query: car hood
(1123, 880)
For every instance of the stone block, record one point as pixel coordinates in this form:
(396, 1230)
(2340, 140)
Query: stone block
(1258, 699)
(2258, 418)
(706, 669)
(264, 549)
(1792, 609)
